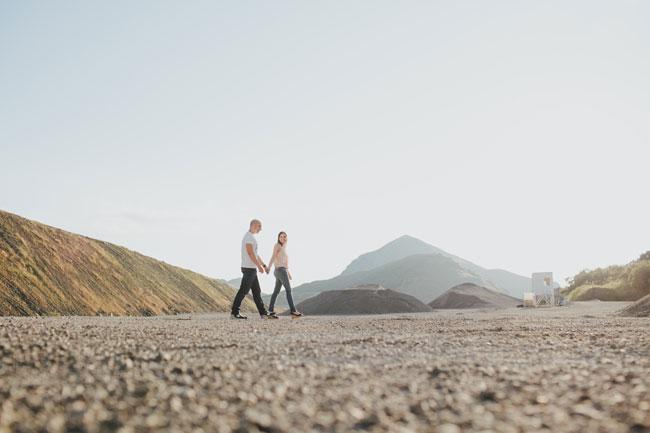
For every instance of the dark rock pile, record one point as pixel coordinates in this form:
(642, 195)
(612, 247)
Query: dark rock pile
(470, 295)
(364, 299)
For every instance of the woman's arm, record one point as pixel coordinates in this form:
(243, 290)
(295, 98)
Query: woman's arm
(273, 256)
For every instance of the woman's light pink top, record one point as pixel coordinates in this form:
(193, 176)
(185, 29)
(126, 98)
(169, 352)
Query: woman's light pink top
(282, 259)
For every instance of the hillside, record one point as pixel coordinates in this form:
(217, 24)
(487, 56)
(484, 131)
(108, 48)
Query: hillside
(365, 299)
(48, 271)
(470, 295)
(628, 282)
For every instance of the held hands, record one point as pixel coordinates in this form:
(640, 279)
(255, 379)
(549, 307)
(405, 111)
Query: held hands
(260, 269)
(268, 268)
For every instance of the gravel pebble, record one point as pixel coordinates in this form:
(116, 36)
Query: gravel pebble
(570, 369)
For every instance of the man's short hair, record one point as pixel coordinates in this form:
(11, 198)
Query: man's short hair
(255, 221)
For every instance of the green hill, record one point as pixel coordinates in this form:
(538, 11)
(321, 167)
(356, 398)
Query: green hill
(48, 271)
(614, 283)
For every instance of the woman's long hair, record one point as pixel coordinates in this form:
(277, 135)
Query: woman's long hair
(280, 234)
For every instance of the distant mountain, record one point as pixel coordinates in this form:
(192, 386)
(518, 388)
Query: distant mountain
(365, 299)
(400, 248)
(48, 271)
(505, 281)
(405, 246)
(470, 295)
(414, 267)
(424, 276)
(234, 283)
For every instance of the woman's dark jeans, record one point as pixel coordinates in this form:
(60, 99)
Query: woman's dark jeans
(282, 278)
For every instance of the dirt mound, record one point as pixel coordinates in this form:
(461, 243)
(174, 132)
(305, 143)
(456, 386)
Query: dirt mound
(365, 299)
(470, 295)
(640, 308)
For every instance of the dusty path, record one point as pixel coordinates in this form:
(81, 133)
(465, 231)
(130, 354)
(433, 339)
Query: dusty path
(573, 369)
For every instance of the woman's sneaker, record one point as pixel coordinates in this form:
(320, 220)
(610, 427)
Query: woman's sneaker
(237, 316)
(273, 313)
(296, 314)
(268, 316)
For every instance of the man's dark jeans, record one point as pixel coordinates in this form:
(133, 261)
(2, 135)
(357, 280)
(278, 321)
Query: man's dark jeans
(249, 282)
(282, 278)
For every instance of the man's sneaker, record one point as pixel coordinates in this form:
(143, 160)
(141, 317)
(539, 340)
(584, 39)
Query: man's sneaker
(237, 316)
(296, 314)
(268, 316)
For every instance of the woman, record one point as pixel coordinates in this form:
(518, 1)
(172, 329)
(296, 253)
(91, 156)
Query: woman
(281, 273)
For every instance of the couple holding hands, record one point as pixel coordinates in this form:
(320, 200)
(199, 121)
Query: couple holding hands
(251, 263)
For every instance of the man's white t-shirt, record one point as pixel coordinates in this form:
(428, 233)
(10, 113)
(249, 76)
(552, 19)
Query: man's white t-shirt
(246, 261)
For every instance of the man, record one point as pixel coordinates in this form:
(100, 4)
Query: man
(250, 264)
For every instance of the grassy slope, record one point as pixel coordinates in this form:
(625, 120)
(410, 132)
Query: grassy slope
(615, 283)
(611, 291)
(44, 270)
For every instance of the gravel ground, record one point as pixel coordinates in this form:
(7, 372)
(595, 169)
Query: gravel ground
(570, 369)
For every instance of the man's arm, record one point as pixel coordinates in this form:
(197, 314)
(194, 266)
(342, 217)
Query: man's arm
(258, 262)
(265, 267)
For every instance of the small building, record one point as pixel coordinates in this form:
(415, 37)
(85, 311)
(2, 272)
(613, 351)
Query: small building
(543, 291)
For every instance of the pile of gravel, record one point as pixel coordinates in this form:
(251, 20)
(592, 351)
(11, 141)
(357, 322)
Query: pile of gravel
(364, 299)
(470, 295)
(640, 308)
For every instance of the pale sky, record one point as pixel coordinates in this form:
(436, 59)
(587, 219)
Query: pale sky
(515, 134)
